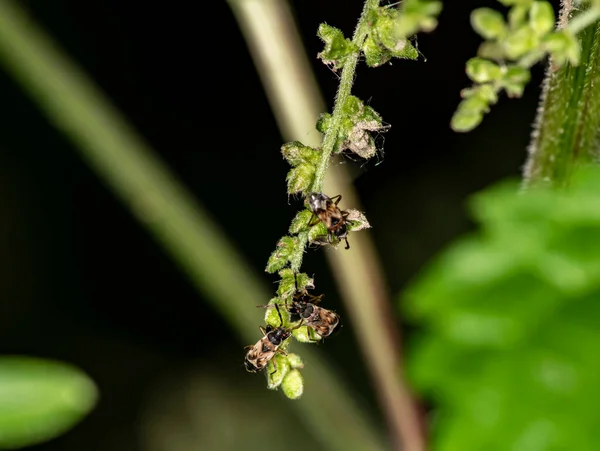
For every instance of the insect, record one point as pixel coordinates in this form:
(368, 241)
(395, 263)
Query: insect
(325, 209)
(318, 319)
(304, 308)
(267, 347)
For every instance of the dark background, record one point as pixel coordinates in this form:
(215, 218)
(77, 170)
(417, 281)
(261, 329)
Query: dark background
(81, 281)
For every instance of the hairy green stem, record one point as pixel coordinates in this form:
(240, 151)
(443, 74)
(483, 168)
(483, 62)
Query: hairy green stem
(130, 169)
(584, 20)
(296, 258)
(284, 69)
(346, 82)
(344, 90)
(566, 130)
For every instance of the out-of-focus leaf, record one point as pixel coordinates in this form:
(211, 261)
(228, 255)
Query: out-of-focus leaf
(40, 399)
(510, 323)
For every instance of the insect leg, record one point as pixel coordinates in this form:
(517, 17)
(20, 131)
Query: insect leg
(316, 299)
(338, 197)
(347, 244)
(309, 332)
(274, 366)
(314, 220)
(299, 325)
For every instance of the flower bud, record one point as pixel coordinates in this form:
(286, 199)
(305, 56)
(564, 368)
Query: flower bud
(489, 23)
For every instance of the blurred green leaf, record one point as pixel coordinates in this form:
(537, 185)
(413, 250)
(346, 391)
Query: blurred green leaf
(40, 399)
(488, 22)
(510, 323)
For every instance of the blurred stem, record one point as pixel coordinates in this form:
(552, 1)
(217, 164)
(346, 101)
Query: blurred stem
(566, 130)
(273, 39)
(134, 173)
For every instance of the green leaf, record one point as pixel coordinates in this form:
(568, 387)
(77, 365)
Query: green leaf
(470, 111)
(40, 400)
(517, 16)
(324, 122)
(491, 50)
(385, 39)
(290, 281)
(287, 287)
(300, 222)
(475, 103)
(337, 48)
(541, 17)
(275, 378)
(271, 315)
(509, 316)
(520, 42)
(515, 79)
(304, 281)
(465, 120)
(295, 361)
(297, 153)
(280, 256)
(487, 93)
(415, 16)
(357, 221)
(355, 131)
(564, 47)
(300, 178)
(316, 232)
(287, 274)
(482, 71)
(302, 335)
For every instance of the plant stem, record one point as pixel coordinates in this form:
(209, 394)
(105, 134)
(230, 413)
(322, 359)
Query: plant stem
(566, 130)
(346, 82)
(291, 88)
(188, 234)
(296, 258)
(584, 20)
(330, 138)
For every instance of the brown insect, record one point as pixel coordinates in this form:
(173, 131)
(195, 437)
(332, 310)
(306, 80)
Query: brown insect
(318, 319)
(267, 347)
(325, 209)
(304, 308)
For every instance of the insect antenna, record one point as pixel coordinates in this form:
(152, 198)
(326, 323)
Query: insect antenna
(299, 325)
(279, 313)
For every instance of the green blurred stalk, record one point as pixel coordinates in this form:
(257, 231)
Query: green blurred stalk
(568, 121)
(141, 180)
